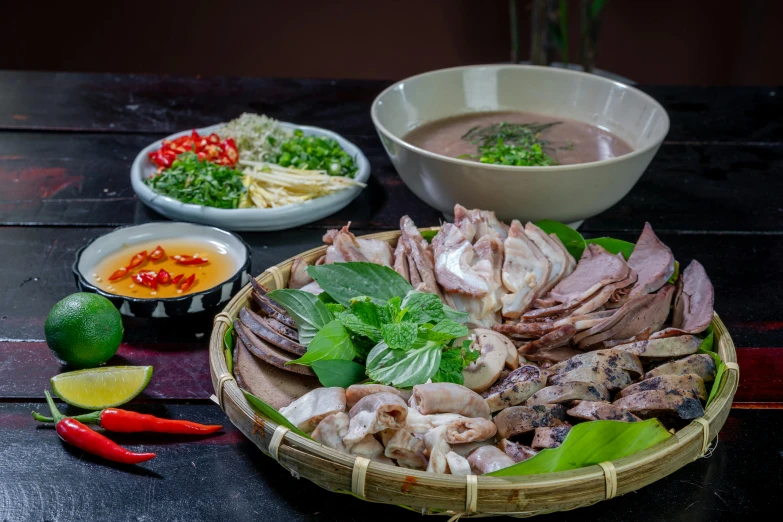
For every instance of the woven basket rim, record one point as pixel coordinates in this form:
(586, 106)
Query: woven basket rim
(296, 447)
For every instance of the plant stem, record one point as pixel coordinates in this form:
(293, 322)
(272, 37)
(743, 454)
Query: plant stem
(563, 18)
(56, 415)
(538, 33)
(512, 7)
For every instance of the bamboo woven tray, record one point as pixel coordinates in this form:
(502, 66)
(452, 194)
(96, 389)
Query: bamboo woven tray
(431, 493)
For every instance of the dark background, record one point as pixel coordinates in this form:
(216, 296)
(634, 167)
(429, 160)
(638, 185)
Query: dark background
(693, 42)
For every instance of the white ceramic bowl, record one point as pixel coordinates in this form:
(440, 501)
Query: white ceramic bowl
(567, 193)
(257, 219)
(91, 255)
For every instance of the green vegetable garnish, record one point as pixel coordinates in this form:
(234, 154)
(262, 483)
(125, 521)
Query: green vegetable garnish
(315, 153)
(404, 337)
(191, 180)
(504, 143)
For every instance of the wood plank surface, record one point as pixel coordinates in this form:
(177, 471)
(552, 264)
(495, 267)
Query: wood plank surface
(166, 104)
(83, 179)
(227, 478)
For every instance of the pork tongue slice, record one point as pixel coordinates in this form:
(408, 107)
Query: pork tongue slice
(596, 269)
(653, 262)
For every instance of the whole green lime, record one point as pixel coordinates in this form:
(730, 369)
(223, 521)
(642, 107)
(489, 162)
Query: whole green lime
(84, 330)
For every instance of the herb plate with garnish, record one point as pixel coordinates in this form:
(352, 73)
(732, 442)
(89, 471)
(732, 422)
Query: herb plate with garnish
(252, 219)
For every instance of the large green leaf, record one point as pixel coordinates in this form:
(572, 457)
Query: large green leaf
(338, 372)
(403, 369)
(309, 312)
(228, 347)
(573, 240)
(590, 443)
(273, 414)
(707, 346)
(344, 281)
(331, 342)
(614, 246)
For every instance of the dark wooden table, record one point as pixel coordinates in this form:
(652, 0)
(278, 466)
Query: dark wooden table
(66, 145)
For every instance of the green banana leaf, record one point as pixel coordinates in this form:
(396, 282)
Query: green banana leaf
(272, 413)
(590, 443)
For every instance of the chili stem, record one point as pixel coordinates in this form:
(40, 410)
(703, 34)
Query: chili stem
(56, 415)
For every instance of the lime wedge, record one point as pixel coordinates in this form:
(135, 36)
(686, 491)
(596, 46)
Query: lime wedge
(98, 388)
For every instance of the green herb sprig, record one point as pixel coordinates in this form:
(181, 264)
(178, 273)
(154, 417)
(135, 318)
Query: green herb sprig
(315, 153)
(200, 182)
(504, 143)
(369, 322)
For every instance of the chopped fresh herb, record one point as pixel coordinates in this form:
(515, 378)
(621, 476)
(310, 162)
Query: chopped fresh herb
(504, 143)
(315, 153)
(200, 182)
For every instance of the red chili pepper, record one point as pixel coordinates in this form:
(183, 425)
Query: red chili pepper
(77, 434)
(148, 279)
(164, 277)
(118, 274)
(138, 259)
(189, 260)
(209, 148)
(187, 283)
(158, 253)
(176, 278)
(124, 421)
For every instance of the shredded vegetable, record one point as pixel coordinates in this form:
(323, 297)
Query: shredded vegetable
(258, 137)
(270, 186)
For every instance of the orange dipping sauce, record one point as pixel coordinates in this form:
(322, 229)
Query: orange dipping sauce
(216, 270)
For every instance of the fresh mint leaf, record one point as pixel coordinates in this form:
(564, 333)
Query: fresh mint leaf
(449, 328)
(338, 372)
(355, 324)
(363, 345)
(403, 369)
(454, 315)
(399, 336)
(395, 310)
(451, 365)
(309, 313)
(423, 307)
(366, 310)
(335, 308)
(331, 342)
(344, 281)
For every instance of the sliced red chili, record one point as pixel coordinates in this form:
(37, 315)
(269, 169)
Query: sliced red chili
(187, 260)
(187, 283)
(164, 277)
(148, 279)
(158, 253)
(138, 259)
(118, 274)
(176, 278)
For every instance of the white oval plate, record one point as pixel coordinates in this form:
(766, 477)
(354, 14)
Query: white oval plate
(256, 219)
